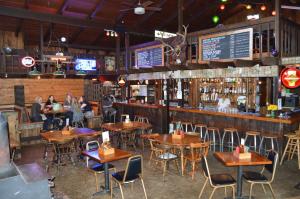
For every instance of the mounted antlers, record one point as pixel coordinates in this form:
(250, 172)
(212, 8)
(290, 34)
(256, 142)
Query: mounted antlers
(179, 41)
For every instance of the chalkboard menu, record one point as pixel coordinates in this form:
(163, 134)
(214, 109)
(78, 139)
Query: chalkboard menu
(229, 45)
(148, 57)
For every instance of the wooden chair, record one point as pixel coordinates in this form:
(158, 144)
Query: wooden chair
(197, 151)
(162, 154)
(133, 172)
(96, 168)
(292, 147)
(128, 139)
(216, 180)
(29, 131)
(259, 178)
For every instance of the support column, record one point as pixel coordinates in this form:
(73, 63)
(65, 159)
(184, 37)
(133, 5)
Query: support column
(41, 47)
(180, 15)
(127, 54)
(277, 27)
(118, 52)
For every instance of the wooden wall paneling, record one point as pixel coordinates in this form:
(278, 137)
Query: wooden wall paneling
(42, 87)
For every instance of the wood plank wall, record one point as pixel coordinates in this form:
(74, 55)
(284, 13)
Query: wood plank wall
(9, 39)
(40, 87)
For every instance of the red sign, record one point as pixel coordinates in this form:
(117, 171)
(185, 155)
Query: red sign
(290, 77)
(28, 61)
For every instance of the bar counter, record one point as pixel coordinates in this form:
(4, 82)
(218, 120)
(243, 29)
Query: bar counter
(243, 122)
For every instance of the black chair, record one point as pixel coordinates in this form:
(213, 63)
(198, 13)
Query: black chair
(133, 171)
(216, 180)
(259, 178)
(96, 168)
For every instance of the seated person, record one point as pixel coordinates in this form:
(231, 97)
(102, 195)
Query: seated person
(75, 108)
(68, 101)
(37, 113)
(86, 107)
(50, 102)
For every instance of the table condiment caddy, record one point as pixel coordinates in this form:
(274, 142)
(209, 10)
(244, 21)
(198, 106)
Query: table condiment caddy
(106, 149)
(241, 152)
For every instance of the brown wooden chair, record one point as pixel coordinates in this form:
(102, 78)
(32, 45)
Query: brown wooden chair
(292, 147)
(197, 151)
(162, 154)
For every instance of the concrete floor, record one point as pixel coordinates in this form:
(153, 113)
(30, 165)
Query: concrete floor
(78, 183)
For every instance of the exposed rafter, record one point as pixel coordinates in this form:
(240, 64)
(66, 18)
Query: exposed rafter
(52, 18)
(174, 15)
(20, 24)
(98, 8)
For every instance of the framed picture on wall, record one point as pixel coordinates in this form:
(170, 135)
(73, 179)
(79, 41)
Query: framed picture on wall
(110, 63)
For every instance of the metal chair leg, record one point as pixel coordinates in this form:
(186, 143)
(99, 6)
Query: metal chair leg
(144, 188)
(233, 192)
(121, 189)
(212, 193)
(262, 185)
(250, 193)
(201, 192)
(273, 194)
(111, 189)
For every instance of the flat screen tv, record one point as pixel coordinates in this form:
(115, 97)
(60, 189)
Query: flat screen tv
(85, 64)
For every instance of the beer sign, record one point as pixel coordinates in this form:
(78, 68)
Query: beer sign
(28, 61)
(290, 77)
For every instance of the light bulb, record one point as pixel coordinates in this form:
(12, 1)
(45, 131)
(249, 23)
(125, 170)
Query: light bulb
(248, 7)
(107, 33)
(263, 8)
(111, 33)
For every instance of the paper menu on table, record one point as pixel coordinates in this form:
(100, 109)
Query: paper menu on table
(105, 136)
(242, 141)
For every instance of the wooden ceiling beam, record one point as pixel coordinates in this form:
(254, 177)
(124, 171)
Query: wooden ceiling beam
(98, 8)
(20, 23)
(173, 16)
(51, 18)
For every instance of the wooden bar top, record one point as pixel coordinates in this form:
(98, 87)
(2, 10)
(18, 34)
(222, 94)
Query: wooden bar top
(295, 118)
(228, 159)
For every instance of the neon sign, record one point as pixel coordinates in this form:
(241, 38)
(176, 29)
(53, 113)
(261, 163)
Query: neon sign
(28, 61)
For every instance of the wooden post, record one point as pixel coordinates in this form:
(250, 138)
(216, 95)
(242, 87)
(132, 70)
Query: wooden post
(277, 27)
(118, 52)
(127, 54)
(42, 46)
(180, 15)
(168, 107)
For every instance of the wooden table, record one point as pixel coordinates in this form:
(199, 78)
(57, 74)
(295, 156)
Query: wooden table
(181, 144)
(126, 126)
(51, 136)
(228, 159)
(118, 155)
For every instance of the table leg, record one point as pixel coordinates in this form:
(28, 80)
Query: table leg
(239, 182)
(106, 173)
(182, 161)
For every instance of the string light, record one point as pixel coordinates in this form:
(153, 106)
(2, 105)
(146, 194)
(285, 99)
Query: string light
(248, 7)
(273, 12)
(222, 7)
(263, 8)
(111, 33)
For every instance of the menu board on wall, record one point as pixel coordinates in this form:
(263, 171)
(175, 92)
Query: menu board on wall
(229, 45)
(149, 57)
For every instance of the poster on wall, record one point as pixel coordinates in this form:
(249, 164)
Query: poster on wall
(110, 63)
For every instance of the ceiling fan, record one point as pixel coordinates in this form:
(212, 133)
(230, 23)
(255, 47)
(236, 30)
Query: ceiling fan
(140, 8)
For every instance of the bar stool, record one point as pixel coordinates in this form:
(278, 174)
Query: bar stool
(230, 143)
(123, 117)
(255, 135)
(292, 147)
(185, 126)
(264, 143)
(210, 135)
(202, 129)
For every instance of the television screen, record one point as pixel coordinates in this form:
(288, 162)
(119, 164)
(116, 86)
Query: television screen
(85, 64)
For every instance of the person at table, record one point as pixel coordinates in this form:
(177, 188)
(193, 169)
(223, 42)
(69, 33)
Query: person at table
(37, 113)
(68, 101)
(76, 110)
(86, 107)
(50, 102)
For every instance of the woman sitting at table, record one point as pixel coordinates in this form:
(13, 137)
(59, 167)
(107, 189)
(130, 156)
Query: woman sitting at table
(76, 110)
(86, 107)
(37, 113)
(68, 100)
(50, 102)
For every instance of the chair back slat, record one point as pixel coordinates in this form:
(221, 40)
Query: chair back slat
(134, 168)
